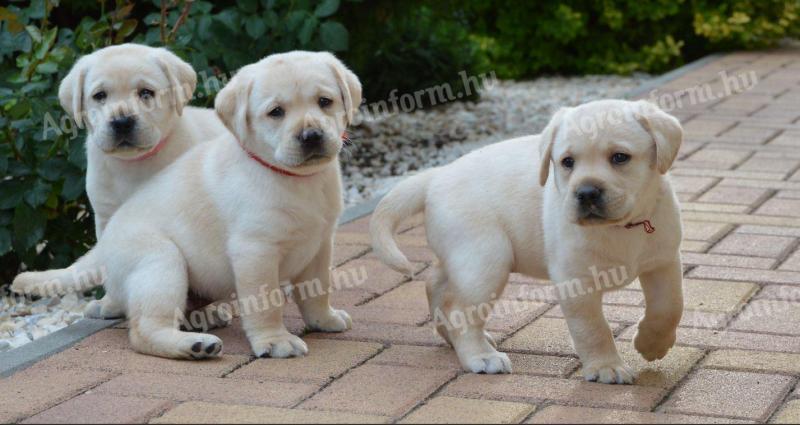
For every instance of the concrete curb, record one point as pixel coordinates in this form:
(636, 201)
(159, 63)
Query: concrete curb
(20, 358)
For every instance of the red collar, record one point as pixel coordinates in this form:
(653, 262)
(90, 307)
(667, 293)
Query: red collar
(151, 153)
(277, 169)
(648, 227)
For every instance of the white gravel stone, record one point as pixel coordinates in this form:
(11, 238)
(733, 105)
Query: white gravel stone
(392, 146)
(23, 320)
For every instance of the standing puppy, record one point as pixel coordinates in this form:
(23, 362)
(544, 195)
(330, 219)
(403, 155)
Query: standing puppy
(131, 98)
(604, 206)
(248, 213)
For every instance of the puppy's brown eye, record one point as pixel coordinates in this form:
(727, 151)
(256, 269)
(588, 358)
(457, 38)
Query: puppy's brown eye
(277, 112)
(324, 102)
(99, 96)
(568, 162)
(146, 94)
(620, 158)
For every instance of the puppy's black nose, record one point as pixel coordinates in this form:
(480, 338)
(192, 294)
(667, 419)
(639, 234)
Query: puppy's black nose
(123, 125)
(311, 137)
(589, 194)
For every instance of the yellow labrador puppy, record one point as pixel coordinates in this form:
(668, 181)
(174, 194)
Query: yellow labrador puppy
(131, 98)
(604, 215)
(250, 213)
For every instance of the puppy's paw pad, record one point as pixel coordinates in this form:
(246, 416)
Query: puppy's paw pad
(202, 346)
(490, 363)
(613, 373)
(653, 346)
(336, 321)
(280, 347)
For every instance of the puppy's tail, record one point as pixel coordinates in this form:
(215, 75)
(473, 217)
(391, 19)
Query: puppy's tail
(82, 275)
(405, 200)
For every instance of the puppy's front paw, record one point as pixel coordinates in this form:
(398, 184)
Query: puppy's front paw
(610, 372)
(101, 309)
(488, 363)
(335, 321)
(280, 346)
(201, 346)
(653, 345)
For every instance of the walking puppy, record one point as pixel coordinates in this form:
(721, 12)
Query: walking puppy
(604, 203)
(131, 98)
(246, 213)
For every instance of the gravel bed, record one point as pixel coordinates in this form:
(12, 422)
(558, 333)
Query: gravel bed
(387, 148)
(382, 152)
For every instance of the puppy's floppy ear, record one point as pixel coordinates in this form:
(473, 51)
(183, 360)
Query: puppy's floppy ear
(349, 86)
(181, 76)
(232, 101)
(70, 91)
(546, 142)
(665, 130)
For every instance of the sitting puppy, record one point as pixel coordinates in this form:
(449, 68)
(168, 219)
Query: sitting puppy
(605, 204)
(248, 214)
(131, 98)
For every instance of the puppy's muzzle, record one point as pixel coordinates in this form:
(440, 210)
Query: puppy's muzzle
(591, 203)
(312, 140)
(123, 127)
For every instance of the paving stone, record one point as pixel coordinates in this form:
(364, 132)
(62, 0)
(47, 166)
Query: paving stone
(33, 390)
(445, 358)
(753, 361)
(460, 410)
(745, 275)
(705, 231)
(787, 138)
(373, 314)
(235, 341)
(344, 253)
(548, 336)
(769, 316)
(735, 195)
(587, 415)
(780, 292)
(769, 230)
(744, 133)
(127, 361)
(386, 333)
(709, 338)
(408, 296)
(371, 275)
(694, 258)
(695, 246)
(788, 414)
(740, 395)
(716, 207)
(326, 360)
(509, 316)
(629, 315)
(755, 245)
(701, 127)
(664, 373)
(379, 390)
(726, 157)
(762, 163)
(716, 296)
(214, 413)
(781, 207)
(218, 390)
(101, 409)
(693, 185)
(537, 390)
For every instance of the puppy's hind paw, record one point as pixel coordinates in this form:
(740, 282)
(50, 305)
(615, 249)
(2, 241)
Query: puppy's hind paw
(489, 363)
(336, 321)
(616, 372)
(280, 347)
(100, 309)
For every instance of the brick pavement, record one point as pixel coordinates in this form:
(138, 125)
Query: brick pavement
(738, 354)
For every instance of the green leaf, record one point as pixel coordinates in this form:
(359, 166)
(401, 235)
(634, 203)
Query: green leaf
(307, 30)
(248, 6)
(73, 186)
(334, 36)
(326, 8)
(29, 226)
(5, 241)
(38, 195)
(47, 68)
(255, 26)
(11, 193)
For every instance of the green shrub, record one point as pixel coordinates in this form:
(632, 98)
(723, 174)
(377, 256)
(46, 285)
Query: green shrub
(525, 39)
